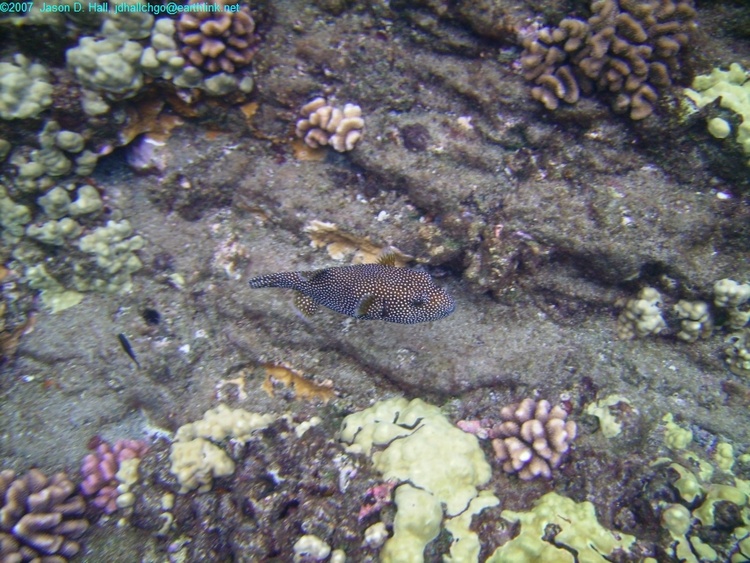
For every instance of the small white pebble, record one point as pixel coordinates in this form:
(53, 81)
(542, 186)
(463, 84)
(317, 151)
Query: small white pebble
(167, 501)
(126, 500)
(376, 535)
(464, 122)
(311, 547)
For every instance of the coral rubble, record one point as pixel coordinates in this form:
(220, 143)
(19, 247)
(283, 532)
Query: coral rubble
(628, 49)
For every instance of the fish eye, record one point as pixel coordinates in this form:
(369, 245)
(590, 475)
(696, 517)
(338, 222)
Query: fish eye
(418, 302)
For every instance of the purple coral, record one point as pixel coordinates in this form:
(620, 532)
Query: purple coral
(99, 470)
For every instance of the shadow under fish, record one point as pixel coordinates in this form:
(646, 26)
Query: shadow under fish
(379, 291)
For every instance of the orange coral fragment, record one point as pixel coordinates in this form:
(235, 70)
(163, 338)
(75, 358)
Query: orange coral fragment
(341, 244)
(303, 388)
(11, 339)
(305, 153)
(213, 134)
(249, 109)
(147, 117)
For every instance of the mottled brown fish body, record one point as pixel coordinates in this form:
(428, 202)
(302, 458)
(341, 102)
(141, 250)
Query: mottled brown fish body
(367, 291)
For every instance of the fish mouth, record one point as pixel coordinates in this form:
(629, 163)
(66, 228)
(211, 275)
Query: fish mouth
(450, 308)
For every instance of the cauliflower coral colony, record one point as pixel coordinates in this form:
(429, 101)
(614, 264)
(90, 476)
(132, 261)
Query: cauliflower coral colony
(64, 240)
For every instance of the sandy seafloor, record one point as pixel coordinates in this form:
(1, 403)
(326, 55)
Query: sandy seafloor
(540, 224)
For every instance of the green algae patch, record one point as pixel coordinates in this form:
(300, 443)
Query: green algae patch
(579, 531)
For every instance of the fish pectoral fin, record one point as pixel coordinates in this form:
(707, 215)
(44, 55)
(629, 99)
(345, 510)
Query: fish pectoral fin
(305, 304)
(370, 306)
(388, 258)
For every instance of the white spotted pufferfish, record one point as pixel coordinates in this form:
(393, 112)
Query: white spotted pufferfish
(379, 291)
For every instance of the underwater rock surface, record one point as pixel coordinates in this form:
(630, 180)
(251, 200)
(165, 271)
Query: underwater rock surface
(541, 225)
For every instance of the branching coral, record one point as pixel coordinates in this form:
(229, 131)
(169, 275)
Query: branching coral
(41, 518)
(627, 48)
(737, 352)
(323, 124)
(733, 297)
(531, 439)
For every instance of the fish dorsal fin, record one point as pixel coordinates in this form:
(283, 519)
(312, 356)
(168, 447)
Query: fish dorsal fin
(316, 276)
(388, 258)
(305, 304)
(369, 306)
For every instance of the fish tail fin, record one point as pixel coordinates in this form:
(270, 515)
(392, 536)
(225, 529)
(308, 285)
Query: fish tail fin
(282, 279)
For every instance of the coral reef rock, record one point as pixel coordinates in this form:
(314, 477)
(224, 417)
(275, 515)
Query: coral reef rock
(533, 438)
(218, 41)
(324, 124)
(628, 48)
(41, 518)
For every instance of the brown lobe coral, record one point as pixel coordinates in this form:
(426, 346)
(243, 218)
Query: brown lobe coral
(218, 41)
(40, 518)
(627, 49)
